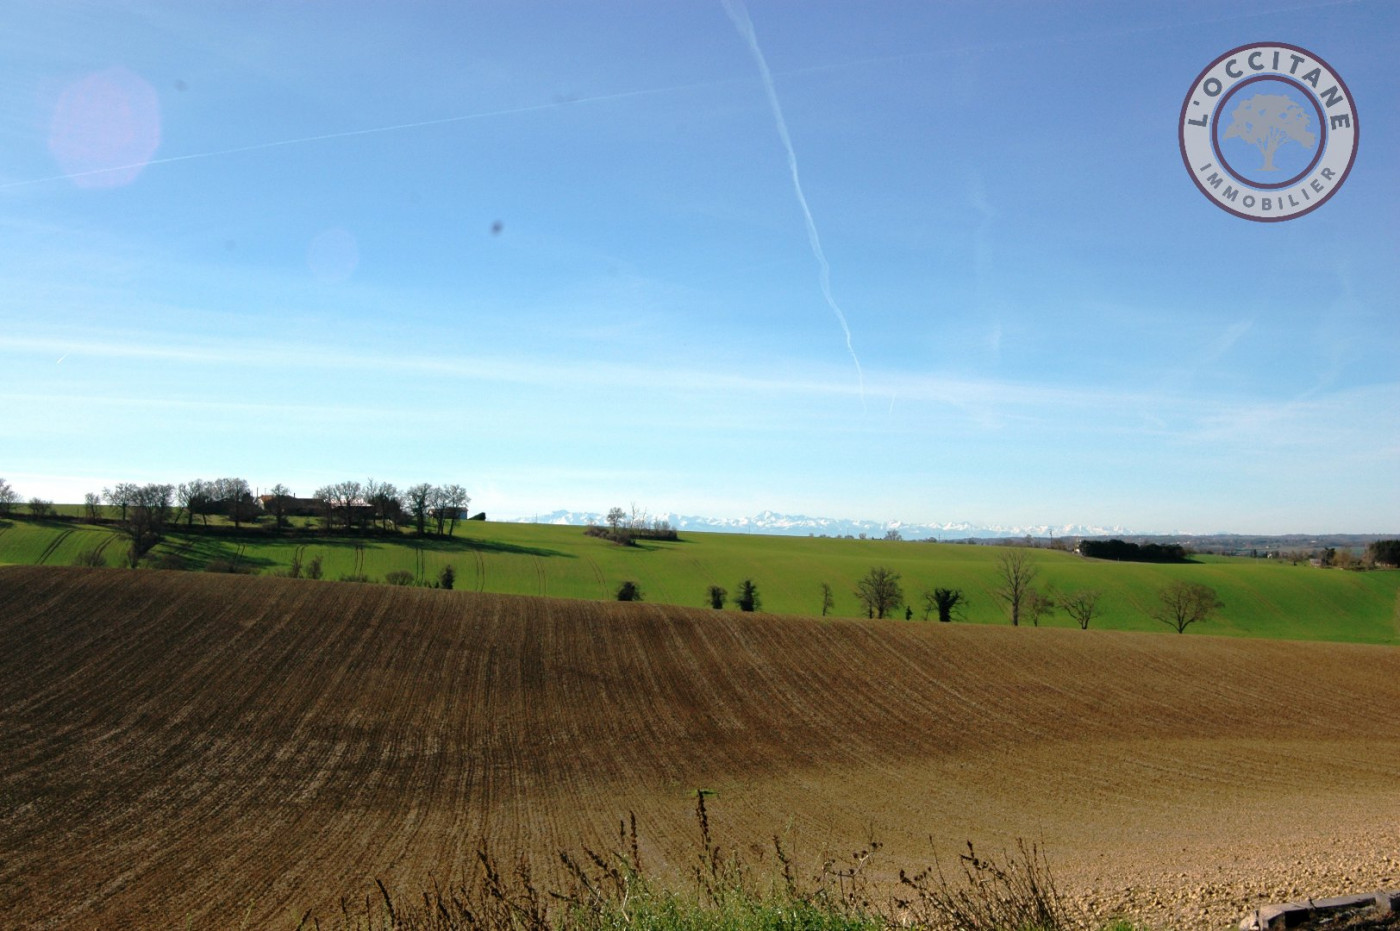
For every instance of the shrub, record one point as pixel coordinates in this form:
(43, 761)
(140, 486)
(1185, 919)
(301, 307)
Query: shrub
(717, 596)
(447, 577)
(313, 568)
(1017, 893)
(399, 577)
(748, 599)
(946, 601)
(727, 891)
(629, 591)
(622, 536)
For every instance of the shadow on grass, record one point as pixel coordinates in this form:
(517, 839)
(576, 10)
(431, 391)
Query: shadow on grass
(200, 547)
(434, 545)
(496, 546)
(198, 552)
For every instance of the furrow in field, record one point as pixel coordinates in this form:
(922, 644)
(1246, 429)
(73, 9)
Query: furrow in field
(598, 574)
(53, 545)
(175, 745)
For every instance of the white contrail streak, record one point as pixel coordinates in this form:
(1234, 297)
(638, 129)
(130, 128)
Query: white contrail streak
(370, 131)
(739, 15)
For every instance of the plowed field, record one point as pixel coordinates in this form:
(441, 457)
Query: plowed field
(179, 747)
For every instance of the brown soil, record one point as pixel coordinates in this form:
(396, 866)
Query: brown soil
(183, 747)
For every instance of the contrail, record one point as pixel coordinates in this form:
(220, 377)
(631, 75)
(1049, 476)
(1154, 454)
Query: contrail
(739, 15)
(370, 131)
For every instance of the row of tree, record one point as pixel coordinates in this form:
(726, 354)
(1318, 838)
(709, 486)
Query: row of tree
(346, 505)
(1180, 603)
(626, 529)
(145, 512)
(39, 508)
(1132, 552)
(745, 599)
(352, 504)
(1383, 552)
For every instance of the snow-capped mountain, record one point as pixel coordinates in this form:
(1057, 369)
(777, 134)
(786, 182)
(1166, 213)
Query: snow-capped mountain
(771, 522)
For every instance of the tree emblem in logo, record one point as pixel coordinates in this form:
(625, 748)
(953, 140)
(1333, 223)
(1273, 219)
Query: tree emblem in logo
(1268, 121)
(1268, 132)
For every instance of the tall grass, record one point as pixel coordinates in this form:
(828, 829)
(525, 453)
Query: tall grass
(724, 890)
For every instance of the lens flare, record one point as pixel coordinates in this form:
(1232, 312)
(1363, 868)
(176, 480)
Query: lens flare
(105, 128)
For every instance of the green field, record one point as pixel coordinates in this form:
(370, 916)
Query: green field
(1262, 597)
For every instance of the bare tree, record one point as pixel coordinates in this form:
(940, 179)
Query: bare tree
(194, 497)
(1015, 573)
(1039, 605)
(456, 499)
(92, 502)
(438, 507)
(40, 508)
(120, 495)
(1184, 603)
(233, 497)
(879, 591)
(828, 602)
(418, 504)
(147, 509)
(948, 602)
(327, 497)
(8, 498)
(278, 498)
(386, 501)
(370, 491)
(1082, 605)
(620, 526)
(346, 496)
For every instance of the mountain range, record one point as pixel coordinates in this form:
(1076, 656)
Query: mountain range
(771, 522)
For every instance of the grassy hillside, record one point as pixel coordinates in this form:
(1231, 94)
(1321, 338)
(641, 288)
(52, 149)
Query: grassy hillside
(1262, 598)
(197, 750)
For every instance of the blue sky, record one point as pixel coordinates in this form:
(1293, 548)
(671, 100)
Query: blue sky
(555, 252)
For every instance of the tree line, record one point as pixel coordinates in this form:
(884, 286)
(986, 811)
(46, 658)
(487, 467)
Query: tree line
(1132, 552)
(1179, 603)
(145, 512)
(348, 505)
(626, 530)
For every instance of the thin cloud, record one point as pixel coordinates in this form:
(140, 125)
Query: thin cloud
(366, 131)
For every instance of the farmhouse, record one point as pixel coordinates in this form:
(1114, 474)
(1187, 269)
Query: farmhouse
(293, 507)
